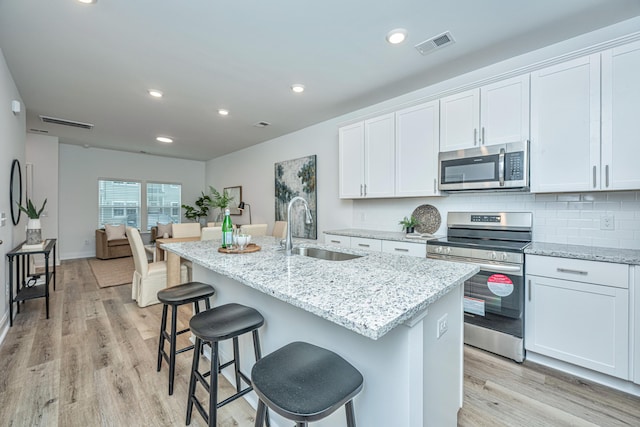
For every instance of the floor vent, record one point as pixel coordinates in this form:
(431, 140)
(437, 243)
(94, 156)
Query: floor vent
(63, 122)
(441, 40)
(261, 124)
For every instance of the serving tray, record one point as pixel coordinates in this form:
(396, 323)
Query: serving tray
(251, 247)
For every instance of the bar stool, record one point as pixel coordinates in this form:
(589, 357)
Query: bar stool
(175, 296)
(305, 383)
(221, 323)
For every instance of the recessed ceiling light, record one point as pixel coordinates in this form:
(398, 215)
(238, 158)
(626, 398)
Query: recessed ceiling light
(164, 139)
(87, 1)
(397, 36)
(297, 88)
(223, 112)
(155, 93)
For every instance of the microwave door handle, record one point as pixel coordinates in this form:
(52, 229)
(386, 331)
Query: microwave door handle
(501, 167)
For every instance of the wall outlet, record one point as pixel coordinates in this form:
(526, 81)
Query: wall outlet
(607, 222)
(443, 326)
(86, 242)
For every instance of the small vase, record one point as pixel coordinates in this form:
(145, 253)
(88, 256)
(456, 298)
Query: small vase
(410, 230)
(34, 232)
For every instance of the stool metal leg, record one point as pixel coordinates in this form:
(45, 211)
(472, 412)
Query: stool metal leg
(257, 350)
(163, 325)
(213, 386)
(236, 363)
(351, 417)
(172, 356)
(192, 380)
(262, 409)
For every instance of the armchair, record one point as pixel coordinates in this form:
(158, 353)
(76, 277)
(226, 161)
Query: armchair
(107, 249)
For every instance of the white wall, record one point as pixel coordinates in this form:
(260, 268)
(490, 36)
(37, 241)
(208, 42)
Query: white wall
(42, 154)
(80, 169)
(12, 146)
(563, 218)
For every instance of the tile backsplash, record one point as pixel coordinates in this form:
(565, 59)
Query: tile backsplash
(574, 218)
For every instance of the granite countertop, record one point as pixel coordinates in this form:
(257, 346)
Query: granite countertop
(590, 253)
(398, 236)
(369, 295)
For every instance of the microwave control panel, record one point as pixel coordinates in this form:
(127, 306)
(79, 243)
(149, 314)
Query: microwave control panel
(514, 166)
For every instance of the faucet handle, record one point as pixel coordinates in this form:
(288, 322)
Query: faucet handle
(283, 243)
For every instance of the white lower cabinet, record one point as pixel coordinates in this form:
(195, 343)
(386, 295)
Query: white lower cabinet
(635, 326)
(404, 248)
(577, 311)
(377, 245)
(366, 244)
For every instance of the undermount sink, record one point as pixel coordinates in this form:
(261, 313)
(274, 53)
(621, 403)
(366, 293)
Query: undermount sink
(324, 254)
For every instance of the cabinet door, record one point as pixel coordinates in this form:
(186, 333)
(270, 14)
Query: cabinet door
(635, 326)
(379, 149)
(565, 126)
(579, 323)
(620, 107)
(366, 244)
(351, 160)
(405, 248)
(460, 120)
(417, 144)
(504, 111)
(335, 240)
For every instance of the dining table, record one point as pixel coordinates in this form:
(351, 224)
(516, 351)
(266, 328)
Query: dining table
(173, 260)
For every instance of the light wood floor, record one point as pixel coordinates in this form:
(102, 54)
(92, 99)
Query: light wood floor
(93, 363)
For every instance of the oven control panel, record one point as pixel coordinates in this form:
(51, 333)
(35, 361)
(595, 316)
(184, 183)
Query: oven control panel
(486, 218)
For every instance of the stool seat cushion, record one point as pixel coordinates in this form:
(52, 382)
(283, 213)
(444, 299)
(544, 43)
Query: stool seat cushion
(303, 382)
(224, 322)
(185, 293)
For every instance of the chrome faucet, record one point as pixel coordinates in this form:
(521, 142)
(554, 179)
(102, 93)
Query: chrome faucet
(288, 244)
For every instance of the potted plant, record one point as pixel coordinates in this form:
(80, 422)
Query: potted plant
(34, 228)
(220, 201)
(200, 211)
(409, 224)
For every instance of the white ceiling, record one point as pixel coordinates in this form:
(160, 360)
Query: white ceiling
(94, 63)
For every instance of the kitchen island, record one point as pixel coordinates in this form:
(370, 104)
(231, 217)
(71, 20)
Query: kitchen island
(380, 312)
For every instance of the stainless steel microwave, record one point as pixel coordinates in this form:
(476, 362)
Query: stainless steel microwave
(492, 167)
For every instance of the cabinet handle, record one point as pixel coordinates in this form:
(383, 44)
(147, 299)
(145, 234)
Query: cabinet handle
(401, 249)
(594, 177)
(363, 245)
(475, 136)
(483, 142)
(360, 190)
(334, 241)
(606, 175)
(567, 270)
(529, 290)
(365, 190)
(435, 185)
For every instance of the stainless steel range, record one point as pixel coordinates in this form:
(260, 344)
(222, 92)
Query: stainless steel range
(493, 298)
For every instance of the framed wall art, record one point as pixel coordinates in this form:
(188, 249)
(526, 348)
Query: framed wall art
(293, 178)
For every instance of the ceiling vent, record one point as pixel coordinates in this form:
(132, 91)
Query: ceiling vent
(63, 122)
(38, 130)
(261, 124)
(441, 40)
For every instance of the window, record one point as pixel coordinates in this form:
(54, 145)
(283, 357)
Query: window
(163, 203)
(119, 203)
(123, 202)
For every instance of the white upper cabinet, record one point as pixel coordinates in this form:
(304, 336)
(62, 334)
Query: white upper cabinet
(367, 158)
(565, 126)
(351, 160)
(493, 114)
(620, 107)
(417, 132)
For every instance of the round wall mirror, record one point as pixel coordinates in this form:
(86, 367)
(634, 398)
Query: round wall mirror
(15, 191)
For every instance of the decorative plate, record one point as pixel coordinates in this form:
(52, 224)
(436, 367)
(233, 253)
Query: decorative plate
(428, 217)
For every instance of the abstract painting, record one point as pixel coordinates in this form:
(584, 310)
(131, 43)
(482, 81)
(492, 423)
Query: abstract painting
(293, 178)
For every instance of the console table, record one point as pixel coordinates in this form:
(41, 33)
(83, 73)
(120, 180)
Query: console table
(19, 264)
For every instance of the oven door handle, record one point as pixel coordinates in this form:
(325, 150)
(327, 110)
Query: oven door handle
(505, 268)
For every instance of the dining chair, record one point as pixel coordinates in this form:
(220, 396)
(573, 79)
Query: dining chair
(148, 278)
(280, 229)
(187, 229)
(254, 229)
(211, 233)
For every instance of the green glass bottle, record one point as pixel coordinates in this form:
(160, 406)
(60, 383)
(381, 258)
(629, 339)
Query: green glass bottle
(227, 230)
